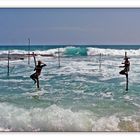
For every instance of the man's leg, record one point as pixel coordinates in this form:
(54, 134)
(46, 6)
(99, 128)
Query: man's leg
(122, 72)
(33, 77)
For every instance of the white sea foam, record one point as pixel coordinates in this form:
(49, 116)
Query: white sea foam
(106, 124)
(107, 95)
(97, 51)
(128, 98)
(115, 123)
(91, 51)
(38, 92)
(53, 52)
(55, 118)
(52, 118)
(14, 52)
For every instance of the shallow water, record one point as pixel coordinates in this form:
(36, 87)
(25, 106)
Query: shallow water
(78, 96)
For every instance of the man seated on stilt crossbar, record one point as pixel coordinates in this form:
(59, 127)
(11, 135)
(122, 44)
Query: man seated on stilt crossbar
(126, 67)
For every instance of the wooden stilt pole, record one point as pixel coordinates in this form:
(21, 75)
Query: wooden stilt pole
(127, 82)
(126, 75)
(100, 61)
(37, 82)
(34, 59)
(28, 51)
(58, 58)
(8, 65)
(126, 69)
(125, 54)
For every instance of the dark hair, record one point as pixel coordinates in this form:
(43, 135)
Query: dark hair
(39, 61)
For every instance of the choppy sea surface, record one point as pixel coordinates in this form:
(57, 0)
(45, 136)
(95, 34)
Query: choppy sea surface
(86, 93)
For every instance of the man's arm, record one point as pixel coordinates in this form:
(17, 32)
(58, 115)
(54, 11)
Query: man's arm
(43, 65)
(121, 66)
(34, 68)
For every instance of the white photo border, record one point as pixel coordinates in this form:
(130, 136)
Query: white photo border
(70, 4)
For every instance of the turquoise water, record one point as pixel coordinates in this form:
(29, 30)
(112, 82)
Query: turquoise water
(78, 96)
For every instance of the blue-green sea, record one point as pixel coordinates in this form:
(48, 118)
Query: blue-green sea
(86, 93)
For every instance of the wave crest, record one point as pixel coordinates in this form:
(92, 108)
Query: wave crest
(55, 118)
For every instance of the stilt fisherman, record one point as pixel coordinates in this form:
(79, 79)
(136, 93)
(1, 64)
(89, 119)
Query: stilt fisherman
(126, 69)
(38, 69)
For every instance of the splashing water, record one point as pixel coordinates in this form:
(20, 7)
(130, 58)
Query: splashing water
(78, 96)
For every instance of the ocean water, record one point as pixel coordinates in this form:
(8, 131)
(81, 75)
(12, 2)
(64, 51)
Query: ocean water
(86, 93)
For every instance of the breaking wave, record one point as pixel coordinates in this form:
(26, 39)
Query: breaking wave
(79, 51)
(55, 118)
